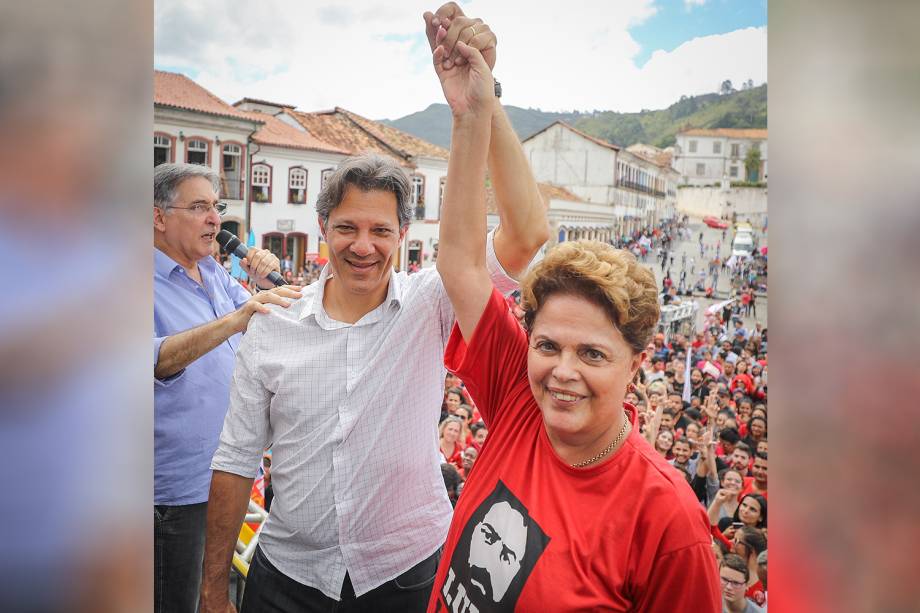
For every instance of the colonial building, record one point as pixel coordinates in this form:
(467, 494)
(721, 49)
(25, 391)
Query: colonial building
(632, 185)
(708, 157)
(665, 177)
(273, 160)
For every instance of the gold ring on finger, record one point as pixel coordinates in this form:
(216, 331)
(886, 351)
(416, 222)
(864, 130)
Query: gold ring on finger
(474, 30)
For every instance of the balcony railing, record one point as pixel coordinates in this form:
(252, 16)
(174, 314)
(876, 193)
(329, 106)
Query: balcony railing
(641, 188)
(231, 189)
(420, 211)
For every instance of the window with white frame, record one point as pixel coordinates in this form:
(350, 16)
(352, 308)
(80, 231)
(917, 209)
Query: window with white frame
(297, 185)
(717, 147)
(261, 182)
(418, 196)
(161, 149)
(736, 150)
(324, 177)
(733, 171)
(231, 175)
(232, 154)
(700, 170)
(692, 146)
(197, 152)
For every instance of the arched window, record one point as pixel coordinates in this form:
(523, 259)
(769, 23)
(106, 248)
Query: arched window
(261, 182)
(196, 151)
(163, 149)
(297, 185)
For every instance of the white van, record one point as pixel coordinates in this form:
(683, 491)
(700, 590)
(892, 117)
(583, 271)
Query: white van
(743, 244)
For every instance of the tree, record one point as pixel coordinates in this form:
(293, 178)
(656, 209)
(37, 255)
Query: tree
(752, 164)
(726, 87)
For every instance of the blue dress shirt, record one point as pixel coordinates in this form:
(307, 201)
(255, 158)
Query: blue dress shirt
(189, 407)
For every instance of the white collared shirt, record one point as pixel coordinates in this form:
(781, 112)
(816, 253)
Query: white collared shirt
(351, 411)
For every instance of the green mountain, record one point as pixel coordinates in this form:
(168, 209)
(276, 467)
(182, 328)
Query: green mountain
(433, 124)
(739, 109)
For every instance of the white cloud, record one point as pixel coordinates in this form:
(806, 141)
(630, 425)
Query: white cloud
(372, 57)
(689, 4)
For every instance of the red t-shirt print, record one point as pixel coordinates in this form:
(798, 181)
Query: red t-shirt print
(531, 533)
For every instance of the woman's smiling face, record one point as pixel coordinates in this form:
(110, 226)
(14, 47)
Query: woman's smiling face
(579, 365)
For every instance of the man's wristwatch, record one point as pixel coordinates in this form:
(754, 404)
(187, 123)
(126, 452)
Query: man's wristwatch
(498, 88)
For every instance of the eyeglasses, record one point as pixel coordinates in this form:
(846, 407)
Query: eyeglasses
(200, 210)
(730, 583)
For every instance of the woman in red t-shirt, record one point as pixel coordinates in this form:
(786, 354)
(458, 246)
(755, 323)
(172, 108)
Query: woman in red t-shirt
(449, 441)
(568, 506)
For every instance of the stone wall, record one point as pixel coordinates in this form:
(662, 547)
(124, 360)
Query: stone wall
(749, 203)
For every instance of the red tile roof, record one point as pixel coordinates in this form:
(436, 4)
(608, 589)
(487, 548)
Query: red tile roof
(349, 131)
(277, 133)
(593, 139)
(177, 91)
(755, 134)
(652, 154)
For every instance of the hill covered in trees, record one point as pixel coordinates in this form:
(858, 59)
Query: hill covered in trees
(729, 109)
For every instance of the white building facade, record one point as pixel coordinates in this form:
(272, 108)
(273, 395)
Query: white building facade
(638, 191)
(707, 157)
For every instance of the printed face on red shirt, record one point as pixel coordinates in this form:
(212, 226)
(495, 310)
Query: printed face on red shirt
(579, 365)
(497, 549)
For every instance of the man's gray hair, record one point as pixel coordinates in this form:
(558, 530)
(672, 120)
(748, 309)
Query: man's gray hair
(168, 177)
(366, 172)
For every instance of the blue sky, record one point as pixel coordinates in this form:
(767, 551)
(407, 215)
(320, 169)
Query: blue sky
(678, 21)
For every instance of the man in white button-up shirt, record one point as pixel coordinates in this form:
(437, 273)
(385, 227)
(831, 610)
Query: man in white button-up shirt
(360, 510)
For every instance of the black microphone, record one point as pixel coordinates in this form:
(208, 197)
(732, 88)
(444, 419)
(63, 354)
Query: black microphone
(229, 243)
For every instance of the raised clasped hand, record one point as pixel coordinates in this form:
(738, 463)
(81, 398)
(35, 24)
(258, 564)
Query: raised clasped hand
(467, 80)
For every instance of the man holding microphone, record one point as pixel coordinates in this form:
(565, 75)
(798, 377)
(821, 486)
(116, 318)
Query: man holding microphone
(199, 315)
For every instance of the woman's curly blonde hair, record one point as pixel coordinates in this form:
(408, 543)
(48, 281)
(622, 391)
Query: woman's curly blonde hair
(611, 278)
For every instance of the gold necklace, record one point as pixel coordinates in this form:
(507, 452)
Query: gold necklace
(609, 447)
